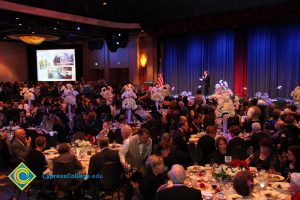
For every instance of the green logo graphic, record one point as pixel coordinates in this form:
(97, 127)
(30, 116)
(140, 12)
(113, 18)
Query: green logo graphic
(22, 176)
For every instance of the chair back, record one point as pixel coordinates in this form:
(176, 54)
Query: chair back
(63, 168)
(111, 172)
(238, 152)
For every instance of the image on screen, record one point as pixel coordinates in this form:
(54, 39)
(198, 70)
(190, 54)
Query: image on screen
(56, 65)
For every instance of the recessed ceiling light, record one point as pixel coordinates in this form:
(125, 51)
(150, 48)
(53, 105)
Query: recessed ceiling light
(17, 18)
(104, 3)
(33, 32)
(4, 38)
(78, 28)
(55, 28)
(117, 42)
(20, 24)
(119, 34)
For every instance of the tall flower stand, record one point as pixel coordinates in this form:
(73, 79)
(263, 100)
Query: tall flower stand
(128, 113)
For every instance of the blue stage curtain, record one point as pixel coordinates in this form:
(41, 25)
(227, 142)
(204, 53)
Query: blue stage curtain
(186, 57)
(274, 59)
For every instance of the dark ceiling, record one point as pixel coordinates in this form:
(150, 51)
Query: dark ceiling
(145, 12)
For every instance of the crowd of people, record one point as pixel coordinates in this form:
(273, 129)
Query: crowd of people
(267, 137)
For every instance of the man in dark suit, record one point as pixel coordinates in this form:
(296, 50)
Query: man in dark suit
(178, 191)
(98, 161)
(206, 145)
(20, 147)
(106, 155)
(66, 156)
(205, 83)
(237, 146)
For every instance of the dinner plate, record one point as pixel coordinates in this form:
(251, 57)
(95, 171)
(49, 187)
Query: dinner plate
(206, 194)
(234, 197)
(281, 186)
(275, 177)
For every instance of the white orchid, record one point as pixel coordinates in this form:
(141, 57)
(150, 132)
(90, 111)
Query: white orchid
(69, 94)
(107, 92)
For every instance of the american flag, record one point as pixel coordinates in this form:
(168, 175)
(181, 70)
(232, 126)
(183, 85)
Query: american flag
(160, 80)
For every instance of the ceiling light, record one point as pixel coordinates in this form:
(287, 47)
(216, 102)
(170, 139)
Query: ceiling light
(119, 34)
(118, 43)
(104, 3)
(78, 28)
(20, 24)
(17, 18)
(33, 38)
(33, 32)
(4, 38)
(55, 28)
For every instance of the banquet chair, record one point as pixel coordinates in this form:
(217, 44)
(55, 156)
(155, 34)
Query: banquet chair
(111, 180)
(67, 185)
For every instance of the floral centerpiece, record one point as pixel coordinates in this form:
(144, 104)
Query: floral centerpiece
(263, 99)
(296, 93)
(69, 96)
(128, 102)
(83, 143)
(28, 95)
(225, 107)
(186, 94)
(223, 95)
(107, 92)
(225, 172)
(159, 93)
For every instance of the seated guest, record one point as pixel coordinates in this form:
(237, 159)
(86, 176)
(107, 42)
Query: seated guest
(104, 131)
(295, 186)
(243, 183)
(126, 131)
(22, 120)
(66, 156)
(206, 145)
(4, 152)
(46, 123)
(178, 191)
(99, 160)
(237, 146)
(265, 158)
(293, 160)
(218, 156)
(154, 178)
(36, 159)
(180, 137)
(257, 135)
(20, 147)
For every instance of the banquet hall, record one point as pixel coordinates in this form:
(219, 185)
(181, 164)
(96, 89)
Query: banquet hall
(149, 99)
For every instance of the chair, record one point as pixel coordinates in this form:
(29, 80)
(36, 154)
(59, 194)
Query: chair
(110, 182)
(67, 185)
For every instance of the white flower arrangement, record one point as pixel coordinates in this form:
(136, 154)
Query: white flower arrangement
(186, 94)
(83, 143)
(158, 93)
(263, 99)
(69, 94)
(223, 97)
(107, 92)
(129, 103)
(28, 94)
(128, 97)
(296, 93)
